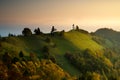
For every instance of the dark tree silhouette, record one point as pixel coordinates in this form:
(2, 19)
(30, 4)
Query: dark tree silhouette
(37, 31)
(27, 32)
(77, 27)
(10, 35)
(53, 30)
(73, 27)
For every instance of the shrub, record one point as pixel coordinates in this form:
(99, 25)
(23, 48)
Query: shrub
(21, 55)
(27, 32)
(45, 49)
(15, 59)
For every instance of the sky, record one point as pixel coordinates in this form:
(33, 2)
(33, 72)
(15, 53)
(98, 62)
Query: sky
(88, 14)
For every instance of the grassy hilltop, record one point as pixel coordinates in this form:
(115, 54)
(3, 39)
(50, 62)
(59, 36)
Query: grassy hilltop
(73, 51)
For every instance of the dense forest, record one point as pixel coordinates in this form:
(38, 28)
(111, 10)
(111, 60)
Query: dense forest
(60, 55)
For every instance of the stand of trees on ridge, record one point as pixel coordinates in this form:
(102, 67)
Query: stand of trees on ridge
(27, 31)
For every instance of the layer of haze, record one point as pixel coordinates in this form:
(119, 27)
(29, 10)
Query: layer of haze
(88, 14)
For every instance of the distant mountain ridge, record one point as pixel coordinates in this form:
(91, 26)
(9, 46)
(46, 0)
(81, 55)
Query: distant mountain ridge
(108, 34)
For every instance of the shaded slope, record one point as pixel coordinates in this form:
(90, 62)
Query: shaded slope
(108, 34)
(111, 36)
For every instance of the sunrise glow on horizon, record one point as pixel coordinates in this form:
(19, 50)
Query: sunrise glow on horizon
(92, 14)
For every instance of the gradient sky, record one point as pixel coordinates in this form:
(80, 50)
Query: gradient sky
(88, 14)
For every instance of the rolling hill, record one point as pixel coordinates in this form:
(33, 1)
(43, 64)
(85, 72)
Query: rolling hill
(73, 41)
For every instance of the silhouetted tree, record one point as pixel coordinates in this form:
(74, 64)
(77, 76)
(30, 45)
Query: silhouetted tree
(27, 32)
(10, 35)
(73, 27)
(37, 31)
(53, 30)
(77, 27)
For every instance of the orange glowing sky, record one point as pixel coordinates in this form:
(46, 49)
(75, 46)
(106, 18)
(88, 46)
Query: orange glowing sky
(90, 13)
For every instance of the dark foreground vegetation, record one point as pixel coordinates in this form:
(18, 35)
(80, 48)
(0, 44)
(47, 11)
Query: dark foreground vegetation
(59, 55)
(30, 68)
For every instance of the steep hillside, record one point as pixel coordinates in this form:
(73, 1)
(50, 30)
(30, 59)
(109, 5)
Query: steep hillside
(72, 41)
(73, 51)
